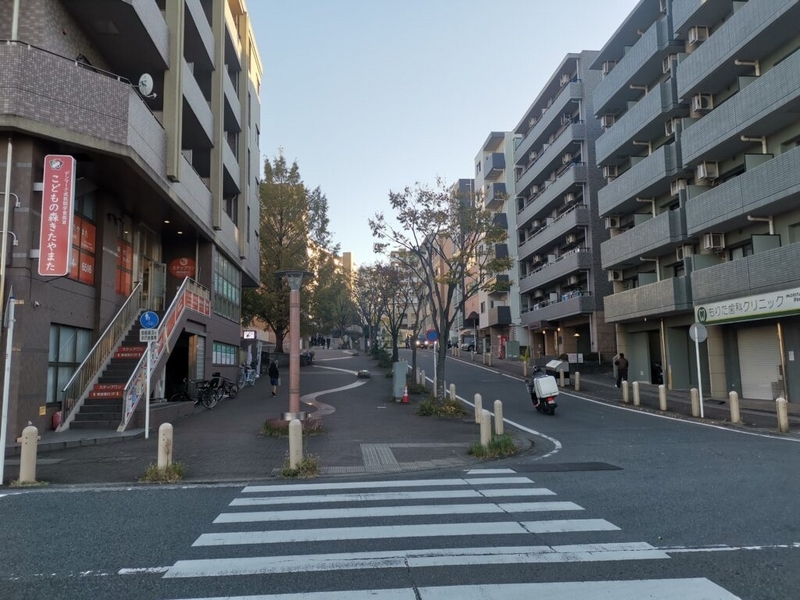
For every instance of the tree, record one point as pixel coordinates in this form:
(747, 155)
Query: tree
(383, 296)
(449, 238)
(367, 299)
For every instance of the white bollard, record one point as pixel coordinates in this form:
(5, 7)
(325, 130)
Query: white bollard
(490, 359)
(27, 456)
(525, 370)
(662, 397)
(695, 396)
(452, 392)
(422, 381)
(577, 381)
(486, 428)
(478, 407)
(164, 445)
(498, 417)
(625, 392)
(561, 379)
(295, 443)
(637, 401)
(484, 358)
(733, 399)
(783, 415)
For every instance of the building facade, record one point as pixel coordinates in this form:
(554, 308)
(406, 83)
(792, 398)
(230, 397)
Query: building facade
(158, 104)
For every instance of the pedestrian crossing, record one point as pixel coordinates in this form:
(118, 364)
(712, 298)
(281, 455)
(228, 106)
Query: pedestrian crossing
(419, 538)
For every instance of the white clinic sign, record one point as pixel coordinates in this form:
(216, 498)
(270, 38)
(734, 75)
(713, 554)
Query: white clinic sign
(761, 306)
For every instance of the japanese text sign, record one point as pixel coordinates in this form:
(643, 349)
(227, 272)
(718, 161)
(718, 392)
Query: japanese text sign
(58, 196)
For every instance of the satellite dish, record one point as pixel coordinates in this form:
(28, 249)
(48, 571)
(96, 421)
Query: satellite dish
(146, 86)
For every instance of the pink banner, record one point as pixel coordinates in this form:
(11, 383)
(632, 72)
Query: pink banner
(58, 196)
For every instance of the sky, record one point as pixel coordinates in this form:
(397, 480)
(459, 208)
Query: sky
(371, 96)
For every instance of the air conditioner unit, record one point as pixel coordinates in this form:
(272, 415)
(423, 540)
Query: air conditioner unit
(676, 186)
(608, 66)
(567, 158)
(564, 80)
(671, 126)
(607, 121)
(615, 275)
(533, 121)
(566, 119)
(684, 251)
(538, 293)
(702, 103)
(713, 241)
(544, 110)
(698, 35)
(534, 190)
(666, 64)
(536, 223)
(537, 258)
(612, 222)
(662, 6)
(706, 171)
(569, 198)
(572, 238)
(573, 280)
(610, 171)
(533, 155)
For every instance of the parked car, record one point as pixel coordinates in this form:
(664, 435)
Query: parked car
(468, 346)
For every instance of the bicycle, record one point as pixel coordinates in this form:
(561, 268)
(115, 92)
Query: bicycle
(206, 394)
(227, 388)
(247, 376)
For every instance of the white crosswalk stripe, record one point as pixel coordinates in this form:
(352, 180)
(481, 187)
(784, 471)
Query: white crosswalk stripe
(421, 524)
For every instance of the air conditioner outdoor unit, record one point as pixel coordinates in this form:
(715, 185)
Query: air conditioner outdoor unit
(698, 35)
(534, 190)
(676, 186)
(533, 121)
(713, 241)
(567, 158)
(533, 155)
(666, 64)
(610, 171)
(702, 102)
(573, 280)
(615, 275)
(564, 80)
(536, 223)
(671, 126)
(608, 66)
(569, 198)
(612, 222)
(607, 121)
(537, 258)
(538, 293)
(572, 238)
(566, 119)
(662, 6)
(707, 170)
(684, 251)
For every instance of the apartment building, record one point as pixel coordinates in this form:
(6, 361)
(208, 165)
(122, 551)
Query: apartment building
(498, 307)
(561, 283)
(150, 109)
(700, 102)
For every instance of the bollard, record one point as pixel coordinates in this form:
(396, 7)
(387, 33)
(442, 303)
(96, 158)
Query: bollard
(295, 443)
(452, 392)
(525, 370)
(422, 381)
(625, 392)
(577, 381)
(637, 401)
(164, 446)
(783, 415)
(662, 397)
(486, 428)
(498, 417)
(478, 407)
(561, 381)
(490, 359)
(733, 398)
(694, 394)
(484, 357)
(27, 456)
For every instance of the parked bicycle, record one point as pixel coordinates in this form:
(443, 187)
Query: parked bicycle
(206, 394)
(227, 388)
(247, 376)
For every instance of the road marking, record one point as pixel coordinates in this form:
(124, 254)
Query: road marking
(402, 531)
(490, 471)
(726, 548)
(396, 483)
(393, 511)
(398, 594)
(381, 496)
(420, 558)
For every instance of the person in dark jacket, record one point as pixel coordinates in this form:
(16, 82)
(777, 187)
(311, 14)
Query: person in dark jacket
(274, 376)
(622, 369)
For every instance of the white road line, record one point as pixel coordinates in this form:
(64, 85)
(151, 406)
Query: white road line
(380, 496)
(402, 531)
(262, 565)
(392, 511)
(398, 594)
(490, 471)
(726, 548)
(397, 483)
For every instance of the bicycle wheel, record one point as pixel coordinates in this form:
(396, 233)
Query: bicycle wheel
(241, 379)
(179, 397)
(233, 389)
(208, 398)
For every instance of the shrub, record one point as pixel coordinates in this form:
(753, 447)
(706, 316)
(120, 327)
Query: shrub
(449, 408)
(499, 445)
(170, 474)
(280, 427)
(308, 467)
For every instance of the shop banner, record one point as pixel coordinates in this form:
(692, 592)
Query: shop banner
(58, 197)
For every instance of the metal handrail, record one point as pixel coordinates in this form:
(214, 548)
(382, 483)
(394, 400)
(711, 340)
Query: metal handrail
(77, 387)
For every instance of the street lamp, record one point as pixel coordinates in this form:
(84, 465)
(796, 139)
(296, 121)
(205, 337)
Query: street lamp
(294, 278)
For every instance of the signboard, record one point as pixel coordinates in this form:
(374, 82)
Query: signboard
(182, 268)
(249, 334)
(761, 306)
(431, 335)
(55, 232)
(698, 332)
(148, 335)
(149, 319)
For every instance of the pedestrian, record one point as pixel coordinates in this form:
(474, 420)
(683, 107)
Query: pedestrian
(329, 343)
(274, 376)
(622, 369)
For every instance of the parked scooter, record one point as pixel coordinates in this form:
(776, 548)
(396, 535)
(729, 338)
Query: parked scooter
(543, 390)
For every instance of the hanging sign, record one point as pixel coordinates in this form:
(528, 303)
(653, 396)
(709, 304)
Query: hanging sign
(55, 232)
(182, 267)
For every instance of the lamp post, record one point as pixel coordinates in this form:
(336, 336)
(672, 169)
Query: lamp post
(294, 278)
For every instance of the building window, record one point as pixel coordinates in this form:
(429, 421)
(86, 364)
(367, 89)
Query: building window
(84, 235)
(483, 307)
(231, 206)
(69, 346)
(227, 288)
(225, 354)
(741, 251)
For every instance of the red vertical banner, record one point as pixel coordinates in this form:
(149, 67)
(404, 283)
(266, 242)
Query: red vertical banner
(58, 197)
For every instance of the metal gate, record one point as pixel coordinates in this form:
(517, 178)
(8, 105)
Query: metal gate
(759, 362)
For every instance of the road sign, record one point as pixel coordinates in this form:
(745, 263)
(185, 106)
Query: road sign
(431, 335)
(149, 319)
(148, 335)
(698, 332)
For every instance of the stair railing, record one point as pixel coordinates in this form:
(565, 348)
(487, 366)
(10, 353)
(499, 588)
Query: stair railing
(79, 385)
(190, 296)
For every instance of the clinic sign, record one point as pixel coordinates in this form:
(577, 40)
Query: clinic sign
(58, 198)
(762, 306)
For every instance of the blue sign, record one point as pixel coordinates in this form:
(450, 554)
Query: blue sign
(431, 335)
(149, 319)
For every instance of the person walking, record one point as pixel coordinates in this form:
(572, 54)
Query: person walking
(622, 369)
(274, 376)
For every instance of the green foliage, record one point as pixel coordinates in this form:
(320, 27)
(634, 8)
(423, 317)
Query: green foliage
(18, 484)
(416, 388)
(526, 355)
(308, 467)
(170, 474)
(449, 408)
(280, 427)
(499, 445)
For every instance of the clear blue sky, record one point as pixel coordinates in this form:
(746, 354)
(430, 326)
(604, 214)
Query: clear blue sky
(370, 96)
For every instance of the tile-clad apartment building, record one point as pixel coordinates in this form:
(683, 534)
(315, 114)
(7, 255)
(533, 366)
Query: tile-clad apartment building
(561, 282)
(166, 180)
(700, 100)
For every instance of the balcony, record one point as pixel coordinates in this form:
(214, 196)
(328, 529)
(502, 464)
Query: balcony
(769, 188)
(499, 286)
(554, 311)
(688, 13)
(575, 260)
(233, 109)
(768, 271)
(550, 155)
(550, 120)
(500, 220)
(499, 316)
(653, 238)
(231, 172)
(767, 105)
(494, 165)
(200, 111)
(555, 229)
(647, 179)
(660, 299)
(495, 195)
(553, 193)
(199, 39)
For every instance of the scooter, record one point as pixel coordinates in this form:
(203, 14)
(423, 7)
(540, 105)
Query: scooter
(543, 390)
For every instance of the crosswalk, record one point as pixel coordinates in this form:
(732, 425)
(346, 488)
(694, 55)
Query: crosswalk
(394, 535)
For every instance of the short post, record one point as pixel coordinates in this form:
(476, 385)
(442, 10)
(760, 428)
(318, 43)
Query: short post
(625, 392)
(295, 443)
(636, 399)
(662, 397)
(733, 399)
(486, 428)
(525, 369)
(783, 415)
(498, 417)
(27, 456)
(561, 380)
(490, 358)
(452, 392)
(484, 357)
(577, 380)
(422, 381)
(694, 394)
(478, 407)
(164, 446)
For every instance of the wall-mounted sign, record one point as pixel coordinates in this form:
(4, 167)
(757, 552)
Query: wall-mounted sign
(762, 306)
(55, 232)
(182, 267)
(249, 334)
